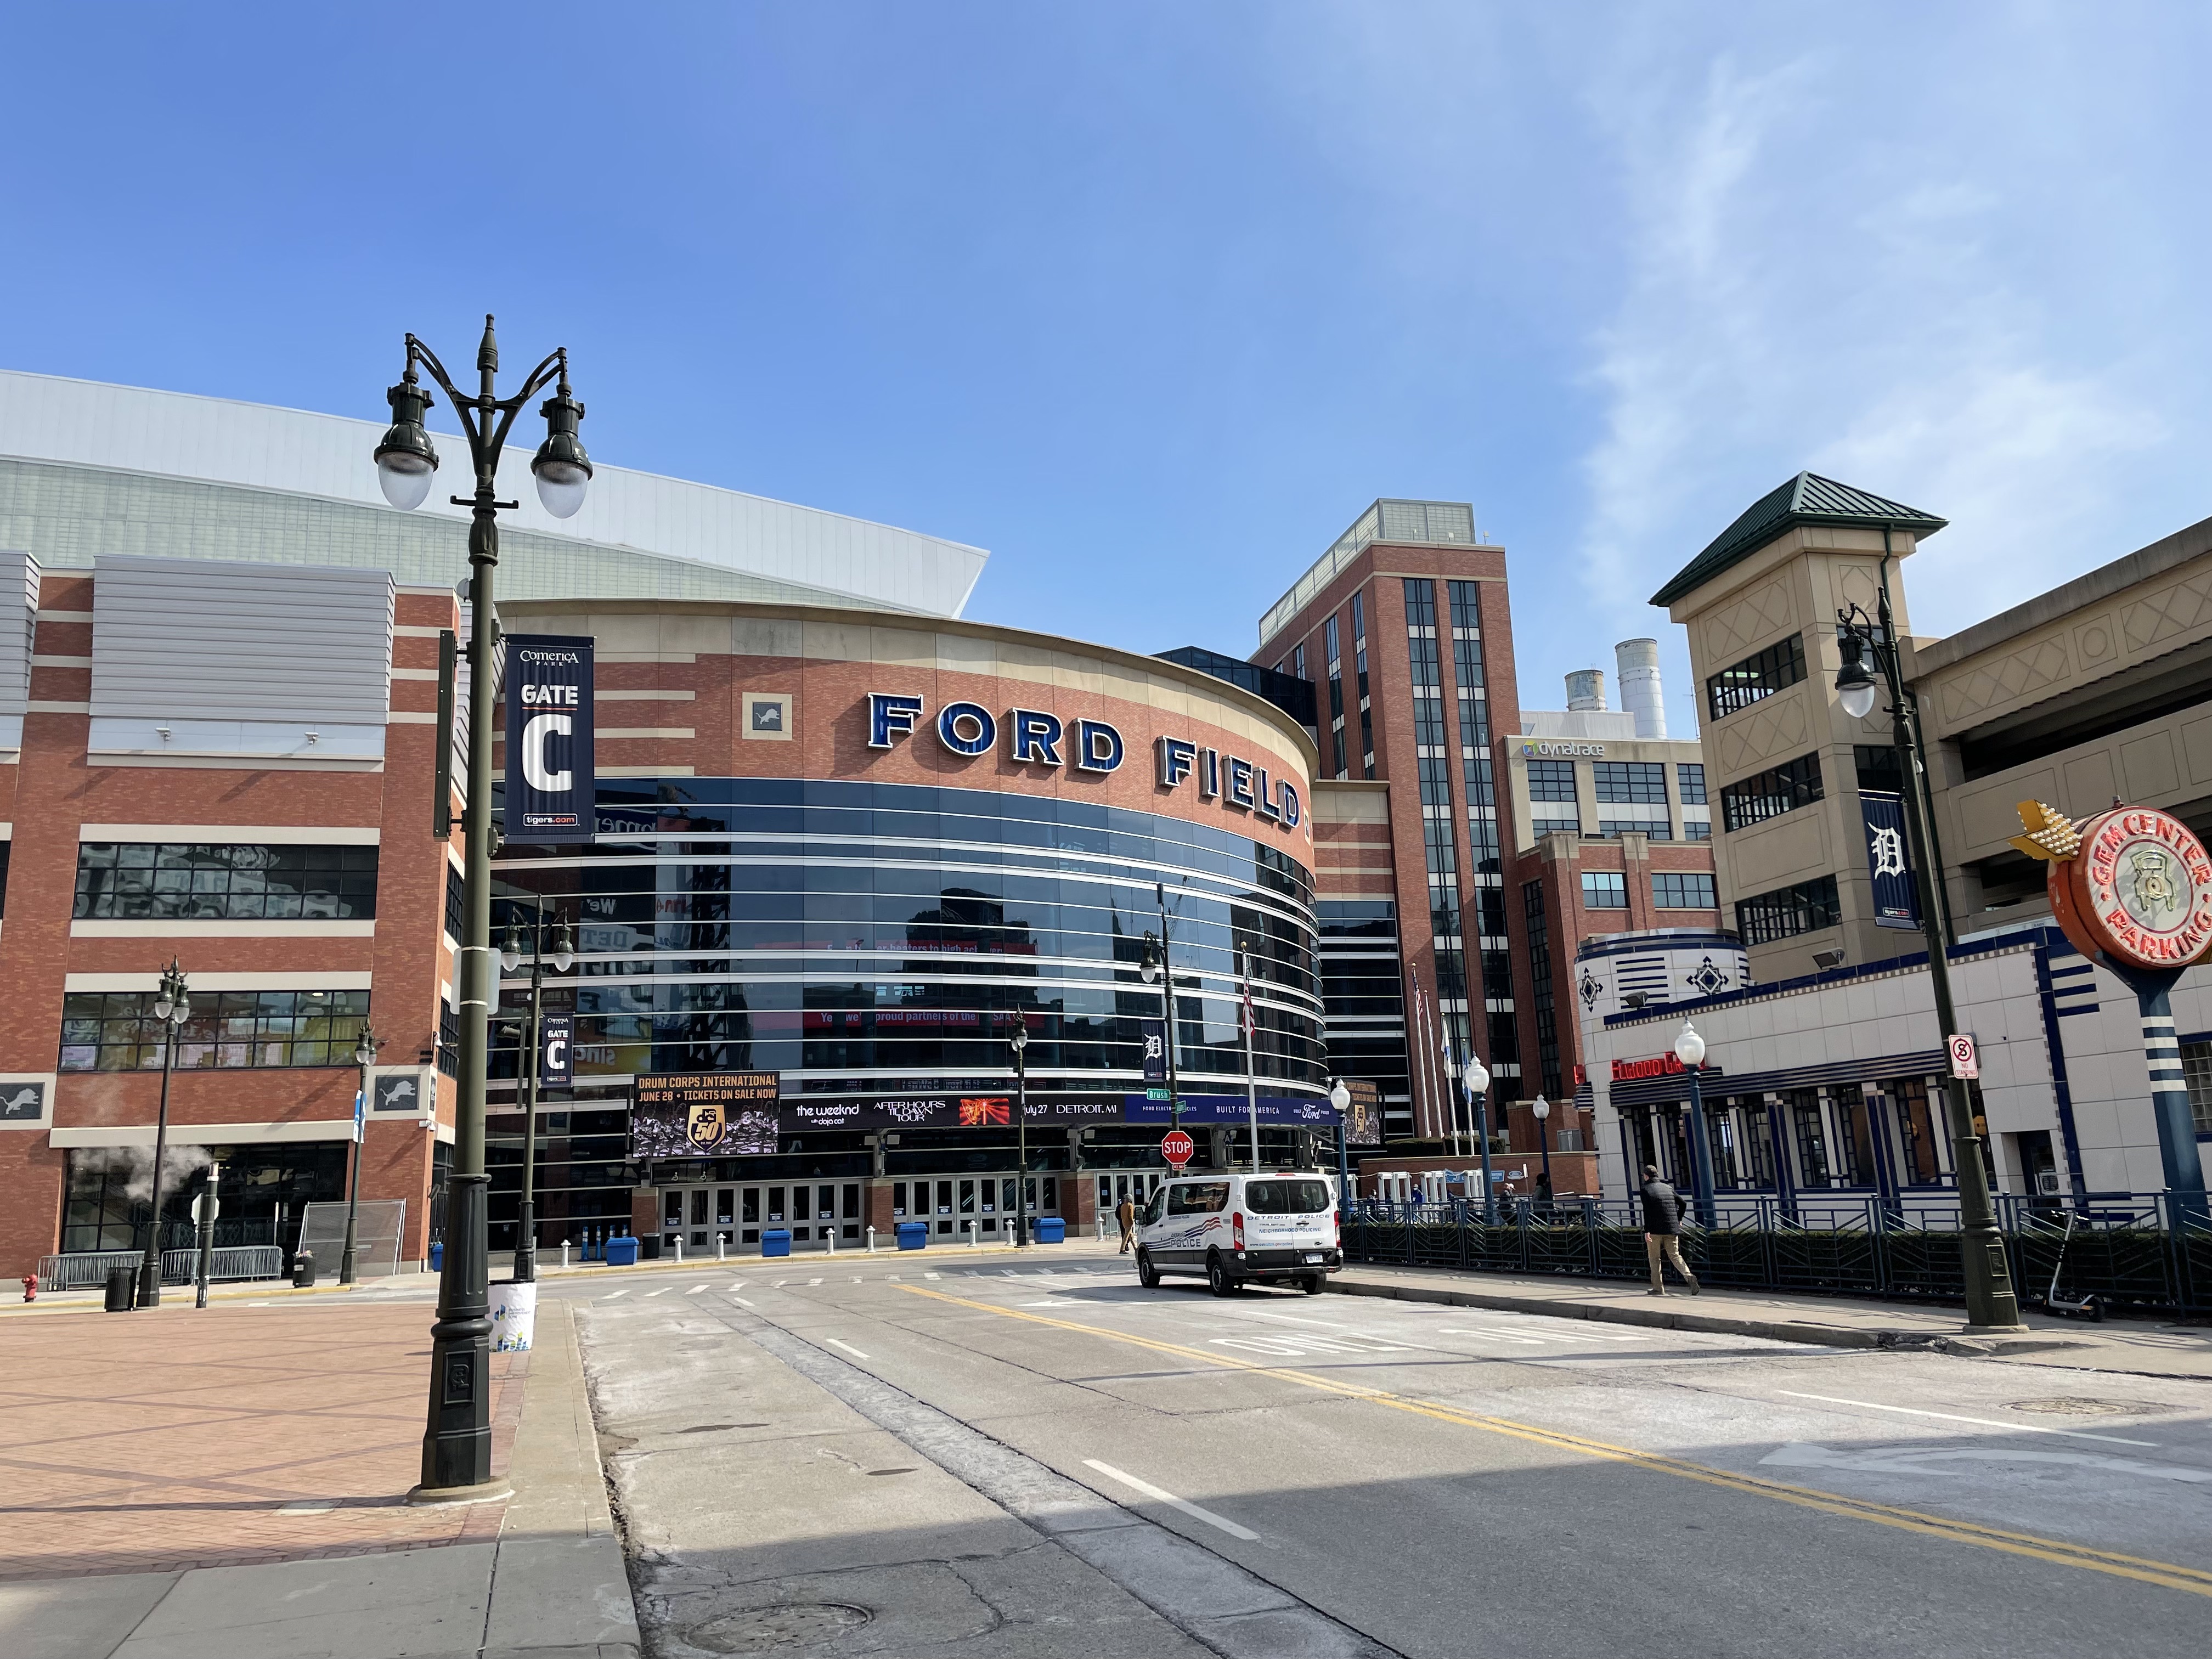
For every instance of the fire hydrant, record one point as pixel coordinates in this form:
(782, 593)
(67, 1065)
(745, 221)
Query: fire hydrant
(30, 1287)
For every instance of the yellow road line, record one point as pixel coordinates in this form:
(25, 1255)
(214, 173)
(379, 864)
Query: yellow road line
(2165, 1574)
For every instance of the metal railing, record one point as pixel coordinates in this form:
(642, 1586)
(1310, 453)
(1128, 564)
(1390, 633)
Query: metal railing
(83, 1270)
(2143, 1250)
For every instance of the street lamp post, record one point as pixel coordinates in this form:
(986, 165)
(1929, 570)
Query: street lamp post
(1155, 971)
(172, 1003)
(1541, 1109)
(1991, 1301)
(1477, 1078)
(1340, 1097)
(457, 1439)
(1690, 1049)
(510, 958)
(364, 1056)
(1019, 1042)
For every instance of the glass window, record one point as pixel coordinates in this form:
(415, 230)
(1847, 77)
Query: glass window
(1769, 794)
(116, 1031)
(1697, 830)
(200, 881)
(1640, 782)
(1655, 828)
(1604, 889)
(1197, 1197)
(2197, 1074)
(1757, 677)
(1287, 1197)
(1551, 780)
(1807, 907)
(1682, 889)
(1690, 775)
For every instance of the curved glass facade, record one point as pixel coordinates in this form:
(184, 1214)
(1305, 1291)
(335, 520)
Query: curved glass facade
(876, 939)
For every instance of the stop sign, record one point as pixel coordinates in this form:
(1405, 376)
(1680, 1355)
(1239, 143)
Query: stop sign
(1177, 1147)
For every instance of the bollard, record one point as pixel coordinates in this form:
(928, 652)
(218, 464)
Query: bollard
(830, 1240)
(679, 1249)
(721, 1242)
(974, 1237)
(564, 1252)
(872, 1250)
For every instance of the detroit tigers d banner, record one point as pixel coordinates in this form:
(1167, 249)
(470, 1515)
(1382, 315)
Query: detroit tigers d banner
(550, 785)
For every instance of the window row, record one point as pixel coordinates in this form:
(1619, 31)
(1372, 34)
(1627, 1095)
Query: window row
(1769, 794)
(204, 881)
(1671, 890)
(1757, 677)
(117, 1030)
(1805, 907)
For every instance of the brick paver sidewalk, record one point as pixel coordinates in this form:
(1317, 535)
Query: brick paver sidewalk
(170, 1438)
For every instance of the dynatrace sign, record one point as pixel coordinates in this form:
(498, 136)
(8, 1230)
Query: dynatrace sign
(1034, 738)
(550, 783)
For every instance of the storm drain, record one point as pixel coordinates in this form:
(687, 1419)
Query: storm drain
(2071, 1406)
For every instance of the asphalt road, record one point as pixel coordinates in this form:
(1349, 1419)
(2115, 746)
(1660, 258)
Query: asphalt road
(1407, 1479)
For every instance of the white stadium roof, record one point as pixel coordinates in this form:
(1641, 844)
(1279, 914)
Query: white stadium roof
(637, 531)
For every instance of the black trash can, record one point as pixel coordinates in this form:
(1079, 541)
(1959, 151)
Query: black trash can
(122, 1289)
(303, 1270)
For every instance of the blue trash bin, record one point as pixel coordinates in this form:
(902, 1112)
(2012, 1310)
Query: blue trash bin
(621, 1252)
(913, 1235)
(1049, 1229)
(438, 1257)
(776, 1240)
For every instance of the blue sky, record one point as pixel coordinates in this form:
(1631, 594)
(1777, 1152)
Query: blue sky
(1151, 300)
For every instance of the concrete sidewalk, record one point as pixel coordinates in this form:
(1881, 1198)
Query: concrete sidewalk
(541, 1575)
(2164, 1348)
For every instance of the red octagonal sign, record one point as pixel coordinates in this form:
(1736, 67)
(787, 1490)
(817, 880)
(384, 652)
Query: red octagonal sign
(1177, 1147)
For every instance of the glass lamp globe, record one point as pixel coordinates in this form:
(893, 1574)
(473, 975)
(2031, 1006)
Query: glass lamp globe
(405, 477)
(561, 486)
(1857, 700)
(1340, 1096)
(564, 949)
(161, 1007)
(1690, 1048)
(1020, 1039)
(1478, 1076)
(1541, 1108)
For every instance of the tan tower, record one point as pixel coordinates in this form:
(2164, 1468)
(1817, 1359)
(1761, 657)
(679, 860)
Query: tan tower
(1785, 763)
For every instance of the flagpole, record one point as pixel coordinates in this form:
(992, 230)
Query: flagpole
(1421, 1039)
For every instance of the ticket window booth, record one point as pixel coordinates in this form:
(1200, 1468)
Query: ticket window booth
(958, 1206)
(814, 1212)
(1137, 1185)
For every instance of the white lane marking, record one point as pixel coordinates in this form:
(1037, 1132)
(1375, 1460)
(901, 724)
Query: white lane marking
(1065, 1302)
(1506, 1334)
(892, 1277)
(696, 1289)
(780, 1283)
(1805, 1455)
(741, 1302)
(932, 1275)
(847, 1346)
(1984, 1422)
(1172, 1501)
(611, 1295)
(1293, 1319)
(663, 1291)
(1288, 1345)
(856, 1278)
(813, 1281)
(260, 1304)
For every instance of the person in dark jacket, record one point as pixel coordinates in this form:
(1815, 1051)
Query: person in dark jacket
(1662, 1227)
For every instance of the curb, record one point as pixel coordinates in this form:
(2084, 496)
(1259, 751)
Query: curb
(1825, 1336)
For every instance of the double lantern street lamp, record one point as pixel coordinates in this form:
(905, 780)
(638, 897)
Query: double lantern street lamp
(456, 1442)
(1154, 971)
(1991, 1301)
(172, 1006)
(563, 958)
(364, 1056)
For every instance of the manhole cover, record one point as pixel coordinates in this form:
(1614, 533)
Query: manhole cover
(758, 1629)
(2066, 1406)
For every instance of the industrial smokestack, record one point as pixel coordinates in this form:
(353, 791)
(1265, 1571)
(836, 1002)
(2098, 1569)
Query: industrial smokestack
(1586, 691)
(1641, 694)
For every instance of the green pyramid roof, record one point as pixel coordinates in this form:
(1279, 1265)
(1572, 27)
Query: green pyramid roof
(1807, 499)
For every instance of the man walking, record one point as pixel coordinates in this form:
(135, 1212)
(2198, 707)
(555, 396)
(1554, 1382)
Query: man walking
(1663, 1226)
(1126, 1213)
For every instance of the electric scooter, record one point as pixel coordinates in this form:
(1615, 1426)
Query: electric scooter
(2089, 1306)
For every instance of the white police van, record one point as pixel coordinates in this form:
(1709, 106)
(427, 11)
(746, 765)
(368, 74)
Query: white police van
(1232, 1229)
